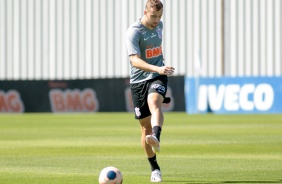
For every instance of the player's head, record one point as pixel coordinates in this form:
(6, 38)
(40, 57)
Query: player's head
(153, 12)
(155, 4)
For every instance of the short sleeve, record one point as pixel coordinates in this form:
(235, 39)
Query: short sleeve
(132, 42)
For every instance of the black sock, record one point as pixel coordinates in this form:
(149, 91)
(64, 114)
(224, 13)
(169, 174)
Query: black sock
(157, 132)
(154, 163)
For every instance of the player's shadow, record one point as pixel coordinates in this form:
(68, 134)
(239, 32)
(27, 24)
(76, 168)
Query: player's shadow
(221, 182)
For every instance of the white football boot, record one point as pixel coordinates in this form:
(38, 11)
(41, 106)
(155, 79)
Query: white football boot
(156, 176)
(153, 142)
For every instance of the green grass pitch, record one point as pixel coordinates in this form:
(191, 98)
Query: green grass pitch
(73, 148)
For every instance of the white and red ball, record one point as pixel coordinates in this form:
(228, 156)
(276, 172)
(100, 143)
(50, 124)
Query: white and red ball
(110, 175)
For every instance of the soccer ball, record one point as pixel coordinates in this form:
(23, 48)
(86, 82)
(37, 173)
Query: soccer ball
(110, 175)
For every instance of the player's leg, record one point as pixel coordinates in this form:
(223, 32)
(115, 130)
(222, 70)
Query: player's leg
(156, 94)
(143, 114)
(155, 101)
(157, 119)
(146, 129)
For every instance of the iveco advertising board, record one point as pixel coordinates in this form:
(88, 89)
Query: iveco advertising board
(233, 95)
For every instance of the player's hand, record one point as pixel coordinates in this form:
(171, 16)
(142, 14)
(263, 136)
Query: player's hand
(165, 70)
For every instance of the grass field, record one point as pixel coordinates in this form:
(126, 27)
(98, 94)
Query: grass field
(64, 149)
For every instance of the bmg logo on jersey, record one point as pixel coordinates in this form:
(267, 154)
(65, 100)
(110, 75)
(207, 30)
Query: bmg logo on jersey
(153, 52)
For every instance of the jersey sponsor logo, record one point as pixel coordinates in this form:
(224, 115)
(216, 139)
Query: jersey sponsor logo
(153, 35)
(74, 100)
(153, 52)
(11, 102)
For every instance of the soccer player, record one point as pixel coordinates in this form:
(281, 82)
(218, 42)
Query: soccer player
(148, 79)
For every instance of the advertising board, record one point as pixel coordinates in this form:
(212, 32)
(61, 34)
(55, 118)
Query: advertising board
(85, 95)
(233, 95)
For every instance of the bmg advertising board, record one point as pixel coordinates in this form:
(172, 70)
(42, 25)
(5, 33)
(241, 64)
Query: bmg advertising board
(88, 95)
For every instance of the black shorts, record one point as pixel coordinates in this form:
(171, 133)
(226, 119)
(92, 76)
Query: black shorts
(140, 91)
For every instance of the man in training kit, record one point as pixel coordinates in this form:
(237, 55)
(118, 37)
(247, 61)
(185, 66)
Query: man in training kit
(148, 79)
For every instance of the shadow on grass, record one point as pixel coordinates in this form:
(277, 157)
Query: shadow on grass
(221, 182)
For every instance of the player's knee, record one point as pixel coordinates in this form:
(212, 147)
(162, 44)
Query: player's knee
(146, 130)
(146, 125)
(155, 101)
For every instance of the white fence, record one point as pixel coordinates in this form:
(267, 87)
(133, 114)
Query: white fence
(72, 39)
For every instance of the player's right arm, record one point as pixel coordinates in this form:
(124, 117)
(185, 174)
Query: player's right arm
(137, 62)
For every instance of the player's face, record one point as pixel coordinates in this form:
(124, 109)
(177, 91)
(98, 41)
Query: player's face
(153, 17)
